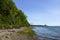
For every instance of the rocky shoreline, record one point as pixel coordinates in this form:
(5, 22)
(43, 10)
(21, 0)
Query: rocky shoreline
(5, 35)
(16, 36)
(11, 34)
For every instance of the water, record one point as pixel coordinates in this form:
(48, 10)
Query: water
(48, 32)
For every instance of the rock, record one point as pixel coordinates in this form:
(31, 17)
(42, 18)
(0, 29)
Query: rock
(16, 36)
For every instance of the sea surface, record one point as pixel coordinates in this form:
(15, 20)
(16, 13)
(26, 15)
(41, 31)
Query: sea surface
(48, 32)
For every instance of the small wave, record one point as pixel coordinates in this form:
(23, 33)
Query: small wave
(48, 32)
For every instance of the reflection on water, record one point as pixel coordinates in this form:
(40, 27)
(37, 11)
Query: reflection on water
(50, 32)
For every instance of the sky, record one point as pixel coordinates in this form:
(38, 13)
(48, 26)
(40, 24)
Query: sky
(40, 12)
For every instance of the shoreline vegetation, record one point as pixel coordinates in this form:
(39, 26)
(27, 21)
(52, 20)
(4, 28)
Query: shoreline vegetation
(17, 34)
(11, 16)
(27, 31)
(11, 19)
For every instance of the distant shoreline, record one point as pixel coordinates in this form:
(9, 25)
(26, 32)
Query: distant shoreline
(44, 26)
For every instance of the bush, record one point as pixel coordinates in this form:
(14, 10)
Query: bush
(27, 31)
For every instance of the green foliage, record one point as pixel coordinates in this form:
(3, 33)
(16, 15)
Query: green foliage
(27, 31)
(10, 16)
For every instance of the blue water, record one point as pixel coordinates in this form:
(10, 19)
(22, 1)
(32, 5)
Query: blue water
(48, 32)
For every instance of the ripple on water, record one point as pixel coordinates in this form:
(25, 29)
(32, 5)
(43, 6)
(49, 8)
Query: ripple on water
(49, 32)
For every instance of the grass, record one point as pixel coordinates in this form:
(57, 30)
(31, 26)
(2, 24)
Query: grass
(27, 31)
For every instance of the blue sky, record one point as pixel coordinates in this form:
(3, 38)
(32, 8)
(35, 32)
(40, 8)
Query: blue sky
(40, 11)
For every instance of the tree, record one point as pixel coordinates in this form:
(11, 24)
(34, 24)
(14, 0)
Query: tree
(10, 16)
